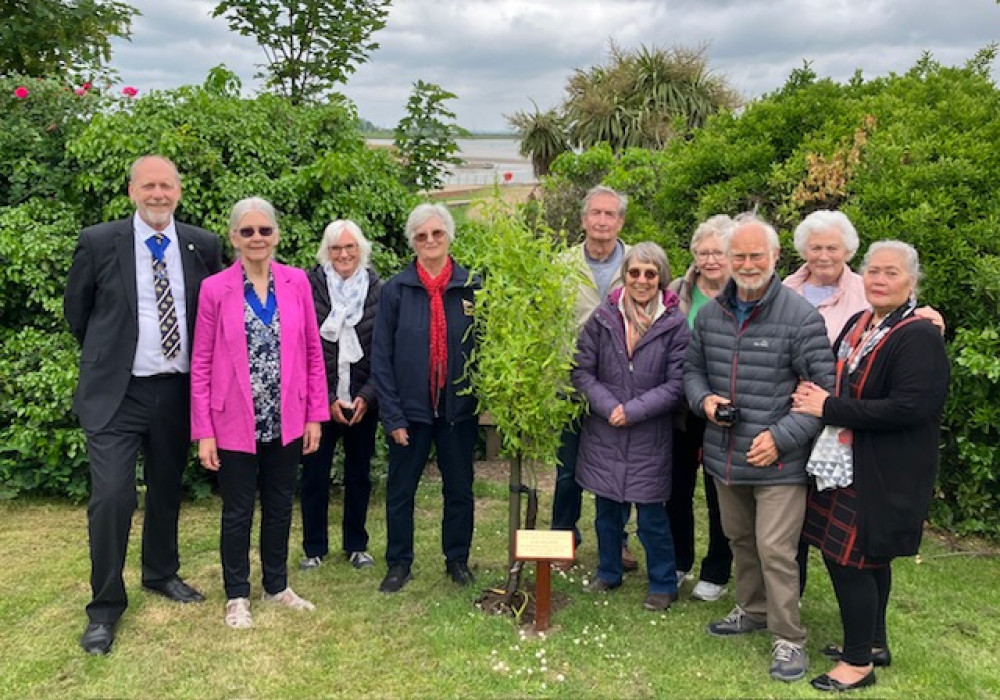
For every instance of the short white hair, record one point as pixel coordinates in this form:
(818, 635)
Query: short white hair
(423, 213)
(245, 206)
(911, 259)
(598, 190)
(823, 220)
(333, 232)
(750, 219)
(717, 226)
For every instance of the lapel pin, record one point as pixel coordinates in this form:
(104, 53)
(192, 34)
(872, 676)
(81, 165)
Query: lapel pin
(191, 247)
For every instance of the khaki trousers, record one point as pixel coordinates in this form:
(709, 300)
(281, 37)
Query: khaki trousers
(763, 525)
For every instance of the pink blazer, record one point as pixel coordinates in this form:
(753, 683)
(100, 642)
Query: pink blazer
(221, 398)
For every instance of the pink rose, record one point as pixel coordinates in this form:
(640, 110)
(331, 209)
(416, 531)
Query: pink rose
(22, 93)
(86, 86)
(129, 91)
(80, 91)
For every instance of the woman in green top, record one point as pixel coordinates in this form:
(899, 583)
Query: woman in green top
(705, 278)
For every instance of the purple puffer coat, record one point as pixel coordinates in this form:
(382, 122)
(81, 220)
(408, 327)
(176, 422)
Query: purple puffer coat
(631, 464)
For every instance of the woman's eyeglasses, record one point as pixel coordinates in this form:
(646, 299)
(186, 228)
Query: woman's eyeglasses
(635, 273)
(350, 249)
(422, 237)
(248, 231)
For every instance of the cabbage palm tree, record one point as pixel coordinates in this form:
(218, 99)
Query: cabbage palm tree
(543, 137)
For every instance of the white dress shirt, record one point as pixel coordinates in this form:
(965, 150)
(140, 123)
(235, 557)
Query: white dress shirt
(149, 359)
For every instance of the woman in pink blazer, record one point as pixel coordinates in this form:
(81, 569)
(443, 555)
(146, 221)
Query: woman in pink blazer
(258, 396)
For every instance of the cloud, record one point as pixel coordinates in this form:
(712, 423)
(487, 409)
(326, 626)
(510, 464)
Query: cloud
(497, 55)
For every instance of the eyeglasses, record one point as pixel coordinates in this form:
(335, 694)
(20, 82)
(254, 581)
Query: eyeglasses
(422, 237)
(741, 258)
(706, 254)
(635, 273)
(350, 249)
(249, 231)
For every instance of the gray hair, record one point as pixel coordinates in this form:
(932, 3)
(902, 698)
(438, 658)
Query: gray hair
(423, 213)
(651, 254)
(152, 156)
(911, 259)
(751, 219)
(717, 225)
(245, 206)
(333, 232)
(823, 220)
(602, 189)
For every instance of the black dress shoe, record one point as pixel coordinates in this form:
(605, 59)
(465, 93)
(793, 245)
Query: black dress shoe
(828, 684)
(460, 574)
(880, 657)
(176, 590)
(98, 638)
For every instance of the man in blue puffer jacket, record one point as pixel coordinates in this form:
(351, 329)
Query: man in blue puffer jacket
(749, 349)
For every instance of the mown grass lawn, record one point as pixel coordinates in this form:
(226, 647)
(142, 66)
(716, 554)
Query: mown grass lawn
(429, 641)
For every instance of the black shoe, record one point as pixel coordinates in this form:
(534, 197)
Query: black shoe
(176, 590)
(459, 572)
(828, 684)
(98, 638)
(599, 585)
(398, 576)
(880, 657)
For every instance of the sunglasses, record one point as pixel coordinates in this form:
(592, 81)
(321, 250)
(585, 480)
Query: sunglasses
(422, 237)
(248, 231)
(635, 273)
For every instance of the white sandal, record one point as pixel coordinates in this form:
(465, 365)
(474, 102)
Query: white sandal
(288, 598)
(238, 613)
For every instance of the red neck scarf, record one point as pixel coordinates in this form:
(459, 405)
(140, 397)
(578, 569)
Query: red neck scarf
(435, 287)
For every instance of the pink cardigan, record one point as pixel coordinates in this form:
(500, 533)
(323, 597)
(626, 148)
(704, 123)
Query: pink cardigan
(221, 397)
(848, 300)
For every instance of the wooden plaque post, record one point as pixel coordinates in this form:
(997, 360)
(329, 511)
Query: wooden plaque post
(543, 547)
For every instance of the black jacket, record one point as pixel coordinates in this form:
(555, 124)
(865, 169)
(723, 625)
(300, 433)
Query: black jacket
(361, 382)
(401, 350)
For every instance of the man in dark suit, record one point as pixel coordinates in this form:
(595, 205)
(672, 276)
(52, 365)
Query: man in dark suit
(131, 301)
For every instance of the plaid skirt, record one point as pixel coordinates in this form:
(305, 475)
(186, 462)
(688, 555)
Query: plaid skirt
(832, 526)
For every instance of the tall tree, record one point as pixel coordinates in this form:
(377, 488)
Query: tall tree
(543, 137)
(310, 45)
(39, 37)
(425, 137)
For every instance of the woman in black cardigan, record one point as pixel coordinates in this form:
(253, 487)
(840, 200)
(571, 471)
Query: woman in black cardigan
(892, 379)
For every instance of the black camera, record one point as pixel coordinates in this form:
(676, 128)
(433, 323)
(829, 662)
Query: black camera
(727, 414)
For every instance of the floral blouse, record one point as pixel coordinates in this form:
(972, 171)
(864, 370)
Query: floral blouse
(264, 349)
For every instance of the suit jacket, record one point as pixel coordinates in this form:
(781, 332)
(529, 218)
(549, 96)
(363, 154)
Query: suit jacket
(100, 306)
(221, 396)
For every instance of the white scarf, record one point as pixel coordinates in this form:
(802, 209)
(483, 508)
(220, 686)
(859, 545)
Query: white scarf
(347, 305)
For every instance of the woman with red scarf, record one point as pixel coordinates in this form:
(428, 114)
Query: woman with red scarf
(419, 352)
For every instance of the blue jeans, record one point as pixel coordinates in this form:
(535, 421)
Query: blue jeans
(568, 497)
(456, 445)
(654, 534)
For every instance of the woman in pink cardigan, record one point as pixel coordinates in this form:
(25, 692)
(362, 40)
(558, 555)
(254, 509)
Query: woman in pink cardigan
(258, 396)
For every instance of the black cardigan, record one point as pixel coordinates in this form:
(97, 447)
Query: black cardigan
(896, 424)
(361, 381)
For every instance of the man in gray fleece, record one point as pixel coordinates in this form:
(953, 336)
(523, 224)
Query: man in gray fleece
(749, 349)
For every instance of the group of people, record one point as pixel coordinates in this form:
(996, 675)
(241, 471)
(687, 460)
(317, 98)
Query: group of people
(267, 367)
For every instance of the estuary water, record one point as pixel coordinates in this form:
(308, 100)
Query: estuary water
(486, 161)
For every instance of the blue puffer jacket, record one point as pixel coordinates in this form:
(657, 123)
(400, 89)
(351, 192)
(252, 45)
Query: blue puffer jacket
(401, 349)
(631, 464)
(757, 366)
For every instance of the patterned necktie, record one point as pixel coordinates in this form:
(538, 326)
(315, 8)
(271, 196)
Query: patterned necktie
(170, 335)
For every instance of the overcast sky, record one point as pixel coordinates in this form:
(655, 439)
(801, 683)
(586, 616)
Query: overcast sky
(497, 55)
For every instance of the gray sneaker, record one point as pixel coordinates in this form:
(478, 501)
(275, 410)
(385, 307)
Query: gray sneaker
(790, 661)
(361, 560)
(736, 622)
(310, 563)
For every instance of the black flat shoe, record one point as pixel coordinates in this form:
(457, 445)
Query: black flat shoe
(880, 657)
(98, 638)
(176, 590)
(827, 684)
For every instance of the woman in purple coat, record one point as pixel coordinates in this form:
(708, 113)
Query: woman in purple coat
(630, 360)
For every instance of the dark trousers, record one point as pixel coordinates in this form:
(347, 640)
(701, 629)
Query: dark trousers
(567, 500)
(654, 534)
(271, 471)
(456, 445)
(717, 564)
(359, 446)
(152, 418)
(863, 596)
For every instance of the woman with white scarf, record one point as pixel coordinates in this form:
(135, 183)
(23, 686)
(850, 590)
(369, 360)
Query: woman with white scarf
(346, 293)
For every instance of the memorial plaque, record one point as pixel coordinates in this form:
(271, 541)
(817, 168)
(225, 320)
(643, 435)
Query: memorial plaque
(544, 545)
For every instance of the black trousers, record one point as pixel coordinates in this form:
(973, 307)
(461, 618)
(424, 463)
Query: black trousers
(456, 446)
(359, 445)
(717, 565)
(153, 418)
(863, 596)
(271, 471)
